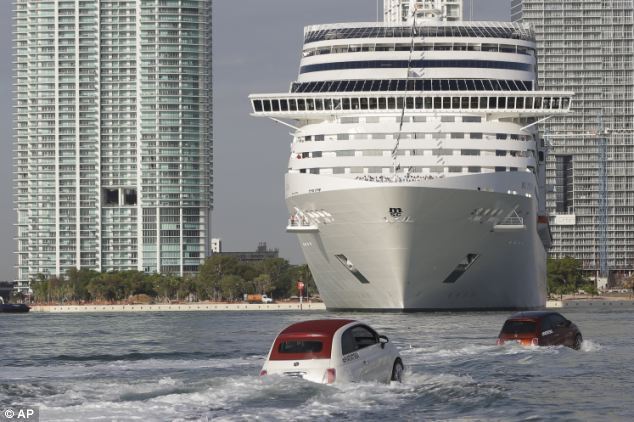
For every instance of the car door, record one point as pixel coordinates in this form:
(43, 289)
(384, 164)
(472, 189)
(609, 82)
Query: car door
(547, 334)
(558, 324)
(370, 353)
(352, 364)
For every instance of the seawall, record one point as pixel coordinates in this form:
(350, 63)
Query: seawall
(586, 304)
(188, 307)
(589, 304)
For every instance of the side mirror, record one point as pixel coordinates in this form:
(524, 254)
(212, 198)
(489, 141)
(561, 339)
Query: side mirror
(383, 340)
(568, 322)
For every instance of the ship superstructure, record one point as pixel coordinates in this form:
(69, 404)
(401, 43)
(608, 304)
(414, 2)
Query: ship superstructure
(416, 173)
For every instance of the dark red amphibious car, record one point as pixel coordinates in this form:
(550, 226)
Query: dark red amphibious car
(540, 328)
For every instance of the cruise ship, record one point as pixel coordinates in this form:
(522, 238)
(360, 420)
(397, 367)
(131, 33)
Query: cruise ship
(416, 172)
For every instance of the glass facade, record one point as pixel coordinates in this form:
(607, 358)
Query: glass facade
(588, 47)
(413, 84)
(404, 64)
(461, 29)
(113, 135)
(401, 10)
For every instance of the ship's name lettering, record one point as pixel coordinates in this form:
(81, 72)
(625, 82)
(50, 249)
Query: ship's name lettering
(396, 212)
(397, 216)
(350, 357)
(314, 190)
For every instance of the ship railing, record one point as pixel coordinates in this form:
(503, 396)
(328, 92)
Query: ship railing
(478, 29)
(512, 221)
(300, 223)
(299, 105)
(398, 179)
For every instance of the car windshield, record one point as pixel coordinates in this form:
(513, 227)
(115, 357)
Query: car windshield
(519, 326)
(300, 346)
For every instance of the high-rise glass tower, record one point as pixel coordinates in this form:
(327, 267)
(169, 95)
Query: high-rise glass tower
(397, 11)
(113, 135)
(588, 47)
(517, 9)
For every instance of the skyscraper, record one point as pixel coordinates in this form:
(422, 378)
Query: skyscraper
(113, 135)
(588, 47)
(400, 10)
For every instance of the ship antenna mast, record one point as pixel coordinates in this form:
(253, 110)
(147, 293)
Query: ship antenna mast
(396, 166)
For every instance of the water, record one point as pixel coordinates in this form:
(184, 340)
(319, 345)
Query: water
(205, 366)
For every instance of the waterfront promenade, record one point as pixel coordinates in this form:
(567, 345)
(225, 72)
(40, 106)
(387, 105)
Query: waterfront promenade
(590, 303)
(182, 307)
(576, 303)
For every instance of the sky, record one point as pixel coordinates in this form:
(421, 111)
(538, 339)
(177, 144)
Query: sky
(256, 49)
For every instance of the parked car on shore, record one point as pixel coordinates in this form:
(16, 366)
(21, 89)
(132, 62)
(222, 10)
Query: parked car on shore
(333, 350)
(540, 328)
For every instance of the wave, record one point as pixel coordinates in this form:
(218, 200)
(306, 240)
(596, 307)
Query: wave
(129, 368)
(591, 346)
(134, 356)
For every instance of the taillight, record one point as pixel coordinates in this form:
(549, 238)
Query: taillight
(263, 372)
(535, 341)
(331, 375)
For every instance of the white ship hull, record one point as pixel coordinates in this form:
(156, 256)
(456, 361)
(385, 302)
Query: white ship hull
(406, 262)
(416, 173)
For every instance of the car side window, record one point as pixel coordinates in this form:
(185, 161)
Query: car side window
(364, 337)
(546, 325)
(347, 342)
(557, 321)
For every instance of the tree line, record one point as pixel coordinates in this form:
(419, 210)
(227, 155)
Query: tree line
(566, 276)
(225, 278)
(221, 278)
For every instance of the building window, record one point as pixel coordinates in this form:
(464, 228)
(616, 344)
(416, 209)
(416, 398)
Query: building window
(129, 196)
(110, 197)
(564, 184)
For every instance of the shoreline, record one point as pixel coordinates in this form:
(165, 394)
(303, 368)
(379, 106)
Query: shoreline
(183, 307)
(567, 303)
(596, 302)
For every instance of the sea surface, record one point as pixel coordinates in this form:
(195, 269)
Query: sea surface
(205, 366)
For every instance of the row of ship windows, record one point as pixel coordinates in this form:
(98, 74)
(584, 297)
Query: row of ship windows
(432, 171)
(410, 119)
(419, 152)
(426, 64)
(413, 85)
(411, 103)
(508, 32)
(413, 135)
(355, 48)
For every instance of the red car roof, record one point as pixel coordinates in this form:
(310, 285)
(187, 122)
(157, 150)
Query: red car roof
(324, 327)
(319, 331)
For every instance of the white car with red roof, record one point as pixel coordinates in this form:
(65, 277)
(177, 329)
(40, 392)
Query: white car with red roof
(330, 350)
